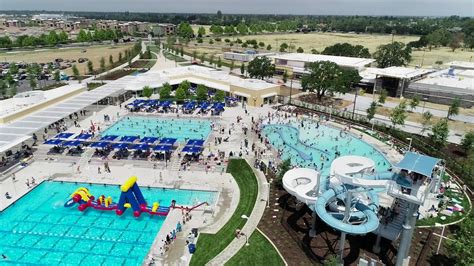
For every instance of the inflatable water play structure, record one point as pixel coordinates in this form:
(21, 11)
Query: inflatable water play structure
(130, 197)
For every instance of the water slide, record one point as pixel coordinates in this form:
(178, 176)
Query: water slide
(358, 174)
(365, 216)
(302, 183)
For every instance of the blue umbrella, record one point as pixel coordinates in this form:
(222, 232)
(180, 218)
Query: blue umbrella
(129, 138)
(84, 136)
(109, 137)
(192, 149)
(162, 148)
(195, 142)
(101, 144)
(168, 141)
(120, 145)
(142, 147)
(149, 140)
(72, 143)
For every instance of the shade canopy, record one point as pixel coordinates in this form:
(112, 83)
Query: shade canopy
(101, 144)
(418, 163)
(72, 143)
(162, 148)
(120, 145)
(63, 135)
(129, 138)
(143, 147)
(109, 137)
(84, 136)
(168, 141)
(149, 140)
(195, 142)
(192, 149)
(53, 141)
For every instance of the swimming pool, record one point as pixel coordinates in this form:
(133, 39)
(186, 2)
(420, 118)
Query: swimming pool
(38, 229)
(315, 146)
(180, 129)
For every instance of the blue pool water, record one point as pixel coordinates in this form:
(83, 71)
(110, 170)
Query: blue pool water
(315, 147)
(39, 230)
(180, 129)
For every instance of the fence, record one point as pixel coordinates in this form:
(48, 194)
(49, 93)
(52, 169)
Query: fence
(384, 133)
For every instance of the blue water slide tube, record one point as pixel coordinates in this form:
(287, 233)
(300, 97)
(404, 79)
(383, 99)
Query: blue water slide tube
(371, 224)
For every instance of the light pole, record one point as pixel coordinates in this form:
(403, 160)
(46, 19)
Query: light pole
(291, 87)
(440, 239)
(246, 237)
(355, 101)
(409, 145)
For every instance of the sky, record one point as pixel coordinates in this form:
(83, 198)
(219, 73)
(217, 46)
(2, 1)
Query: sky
(310, 7)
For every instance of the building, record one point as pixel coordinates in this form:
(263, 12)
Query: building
(296, 62)
(254, 92)
(12, 23)
(395, 80)
(246, 56)
(163, 29)
(446, 85)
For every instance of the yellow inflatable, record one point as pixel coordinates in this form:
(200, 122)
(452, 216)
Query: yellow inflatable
(83, 192)
(155, 206)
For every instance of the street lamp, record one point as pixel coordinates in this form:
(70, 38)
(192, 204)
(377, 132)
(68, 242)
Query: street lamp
(246, 237)
(355, 102)
(409, 145)
(424, 103)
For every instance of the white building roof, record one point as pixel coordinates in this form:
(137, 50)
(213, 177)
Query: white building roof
(344, 61)
(461, 64)
(460, 79)
(401, 72)
(195, 74)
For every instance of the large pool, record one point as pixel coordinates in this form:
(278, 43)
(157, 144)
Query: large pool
(315, 146)
(180, 129)
(38, 229)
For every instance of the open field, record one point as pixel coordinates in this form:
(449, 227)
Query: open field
(319, 41)
(93, 53)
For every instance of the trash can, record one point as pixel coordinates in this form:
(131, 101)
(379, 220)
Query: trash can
(195, 232)
(191, 248)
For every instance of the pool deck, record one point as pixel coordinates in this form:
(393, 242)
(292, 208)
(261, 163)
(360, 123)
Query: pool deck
(159, 174)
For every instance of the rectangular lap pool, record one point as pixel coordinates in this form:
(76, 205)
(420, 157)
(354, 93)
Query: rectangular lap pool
(38, 229)
(180, 129)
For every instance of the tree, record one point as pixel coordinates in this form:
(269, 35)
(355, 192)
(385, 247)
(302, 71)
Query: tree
(232, 65)
(261, 44)
(371, 110)
(165, 91)
(90, 67)
(63, 37)
(185, 85)
(211, 59)
(382, 96)
(414, 102)
(102, 64)
(398, 114)
(283, 47)
(75, 72)
(32, 79)
(242, 28)
(242, 69)
(300, 50)
(284, 77)
(392, 54)
(120, 57)
(201, 92)
(180, 94)
(111, 60)
(453, 108)
(219, 15)
(184, 30)
(346, 49)
(326, 76)
(194, 54)
(455, 42)
(425, 121)
(467, 142)
(57, 75)
(202, 58)
(52, 38)
(201, 31)
(269, 47)
(314, 51)
(261, 67)
(219, 96)
(219, 62)
(147, 92)
(440, 132)
(461, 246)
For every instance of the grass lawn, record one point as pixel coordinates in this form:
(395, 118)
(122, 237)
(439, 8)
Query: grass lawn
(210, 245)
(93, 53)
(259, 252)
(173, 57)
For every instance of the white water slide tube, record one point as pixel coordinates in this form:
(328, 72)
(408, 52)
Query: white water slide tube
(303, 183)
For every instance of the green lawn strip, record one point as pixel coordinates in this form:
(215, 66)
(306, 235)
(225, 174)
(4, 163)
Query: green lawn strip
(210, 245)
(173, 57)
(259, 252)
